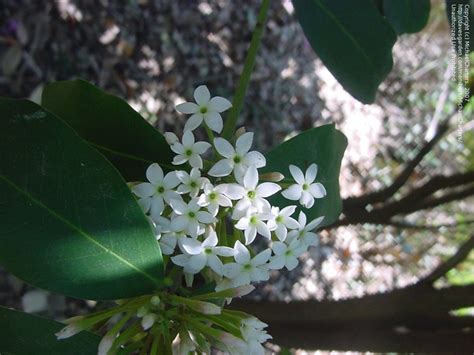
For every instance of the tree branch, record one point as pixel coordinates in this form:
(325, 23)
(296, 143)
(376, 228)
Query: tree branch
(400, 180)
(449, 264)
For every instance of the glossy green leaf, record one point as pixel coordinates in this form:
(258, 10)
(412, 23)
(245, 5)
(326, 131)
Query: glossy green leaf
(407, 16)
(26, 334)
(68, 221)
(110, 125)
(324, 146)
(352, 39)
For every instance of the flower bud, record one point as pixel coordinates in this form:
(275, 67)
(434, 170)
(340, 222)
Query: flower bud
(105, 345)
(148, 321)
(239, 132)
(155, 300)
(275, 177)
(242, 290)
(68, 331)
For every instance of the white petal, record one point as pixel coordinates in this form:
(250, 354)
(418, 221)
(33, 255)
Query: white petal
(197, 262)
(180, 159)
(177, 148)
(211, 240)
(215, 264)
(179, 207)
(201, 147)
(291, 223)
(145, 203)
(277, 262)
(242, 224)
(262, 257)
(190, 246)
(179, 223)
(293, 192)
(154, 174)
(157, 206)
(224, 201)
(291, 262)
(288, 210)
(241, 279)
(241, 253)
(205, 217)
(144, 189)
(317, 190)
(260, 274)
(193, 122)
(232, 191)
(281, 232)
(297, 174)
(231, 270)
(171, 180)
(302, 219)
(307, 200)
(221, 168)
(219, 104)
(267, 189)
(187, 108)
(244, 142)
(188, 139)
(251, 178)
(195, 161)
(279, 248)
(263, 230)
(314, 223)
(202, 95)
(224, 251)
(171, 138)
(214, 121)
(250, 233)
(180, 260)
(311, 173)
(256, 159)
(224, 148)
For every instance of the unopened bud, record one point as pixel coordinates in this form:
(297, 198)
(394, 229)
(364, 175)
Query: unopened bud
(148, 321)
(243, 290)
(142, 311)
(68, 331)
(205, 307)
(155, 300)
(239, 132)
(275, 177)
(105, 345)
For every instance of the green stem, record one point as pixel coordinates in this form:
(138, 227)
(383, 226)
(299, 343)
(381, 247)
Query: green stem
(238, 100)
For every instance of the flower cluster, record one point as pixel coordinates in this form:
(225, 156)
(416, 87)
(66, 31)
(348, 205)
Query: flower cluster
(208, 215)
(209, 212)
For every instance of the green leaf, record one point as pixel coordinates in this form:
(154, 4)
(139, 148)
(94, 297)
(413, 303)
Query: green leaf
(26, 334)
(68, 221)
(110, 125)
(352, 39)
(407, 16)
(324, 146)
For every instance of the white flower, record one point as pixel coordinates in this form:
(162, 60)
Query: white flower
(253, 224)
(158, 189)
(198, 255)
(304, 231)
(305, 189)
(191, 183)
(254, 335)
(286, 255)
(148, 321)
(249, 194)
(189, 151)
(246, 270)
(238, 159)
(105, 344)
(281, 221)
(169, 240)
(206, 108)
(189, 217)
(213, 197)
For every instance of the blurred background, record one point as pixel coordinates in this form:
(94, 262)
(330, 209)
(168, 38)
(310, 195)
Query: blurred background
(154, 53)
